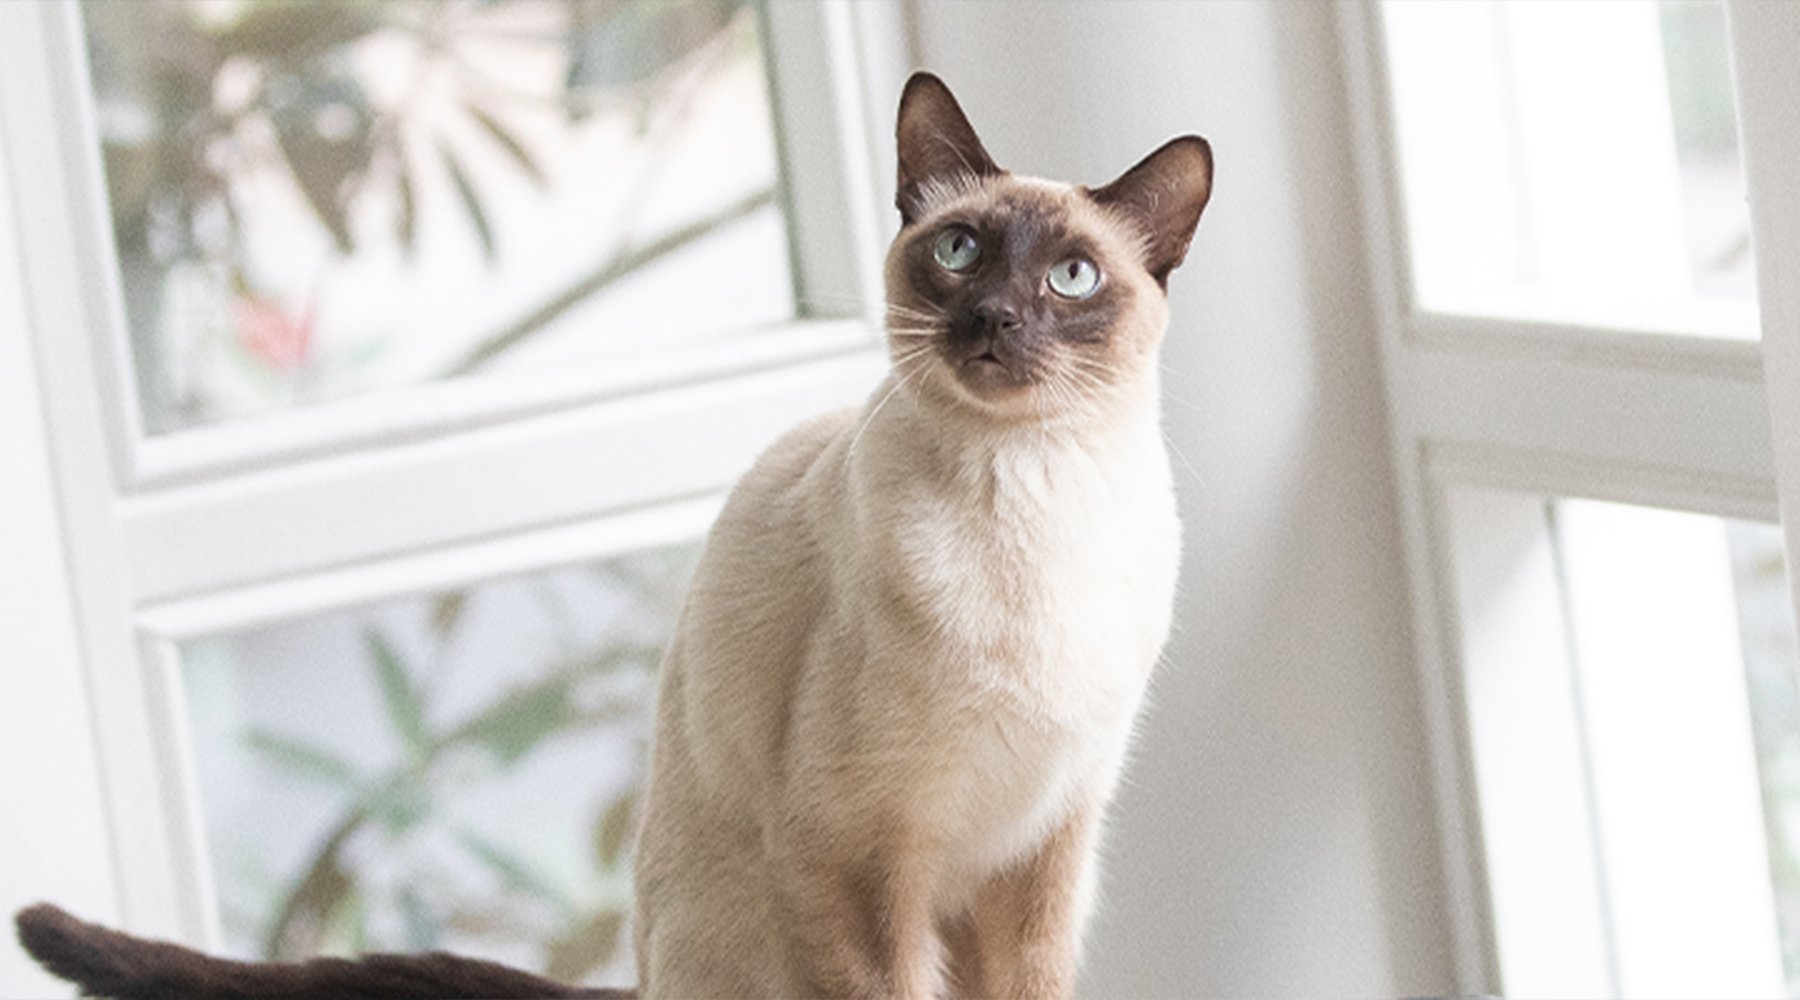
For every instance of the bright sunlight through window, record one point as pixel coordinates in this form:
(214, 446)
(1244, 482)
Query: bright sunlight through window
(1573, 162)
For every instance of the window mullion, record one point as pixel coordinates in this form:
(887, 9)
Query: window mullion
(1763, 39)
(815, 79)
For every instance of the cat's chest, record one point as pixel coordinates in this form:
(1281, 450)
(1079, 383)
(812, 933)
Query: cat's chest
(1047, 581)
(1021, 612)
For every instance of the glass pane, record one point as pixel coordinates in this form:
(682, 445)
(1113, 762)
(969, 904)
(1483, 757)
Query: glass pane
(1766, 619)
(1682, 633)
(1632, 681)
(1573, 162)
(318, 199)
(452, 770)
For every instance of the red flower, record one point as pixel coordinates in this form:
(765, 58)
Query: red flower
(272, 336)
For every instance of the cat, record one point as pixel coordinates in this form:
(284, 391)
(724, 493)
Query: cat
(901, 689)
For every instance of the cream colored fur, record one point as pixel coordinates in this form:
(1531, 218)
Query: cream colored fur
(902, 688)
(911, 655)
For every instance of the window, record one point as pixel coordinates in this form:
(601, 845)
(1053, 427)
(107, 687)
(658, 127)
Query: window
(397, 777)
(352, 342)
(1593, 452)
(1632, 684)
(1573, 162)
(314, 202)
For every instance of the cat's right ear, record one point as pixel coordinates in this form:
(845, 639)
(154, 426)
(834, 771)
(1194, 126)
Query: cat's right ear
(936, 143)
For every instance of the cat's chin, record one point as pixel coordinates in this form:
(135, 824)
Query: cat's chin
(989, 378)
(990, 384)
(995, 392)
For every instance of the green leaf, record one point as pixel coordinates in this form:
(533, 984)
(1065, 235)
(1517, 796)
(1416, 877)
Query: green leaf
(612, 834)
(509, 142)
(405, 708)
(324, 128)
(291, 32)
(622, 655)
(303, 759)
(407, 224)
(588, 946)
(400, 804)
(422, 929)
(524, 717)
(447, 611)
(471, 202)
(319, 187)
(313, 906)
(515, 873)
(346, 929)
(641, 40)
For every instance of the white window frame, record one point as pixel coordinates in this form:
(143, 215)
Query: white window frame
(155, 540)
(1548, 409)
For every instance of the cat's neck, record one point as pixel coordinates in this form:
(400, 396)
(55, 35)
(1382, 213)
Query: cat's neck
(927, 430)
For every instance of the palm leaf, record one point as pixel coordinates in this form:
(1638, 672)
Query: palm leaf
(586, 947)
(422, 929)
(303, 759)
(514, 872)
(447, 611)
(471, 202)
(292, 32)
(407, 224)
(523, 718)
(324, 163)
(612, 834)
(307, 913)
(405, 707)
(510, 143)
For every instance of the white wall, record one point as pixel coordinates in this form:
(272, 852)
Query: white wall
(1276, 836)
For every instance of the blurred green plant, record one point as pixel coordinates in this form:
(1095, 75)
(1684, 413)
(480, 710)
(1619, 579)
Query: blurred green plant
(388, 812)
(373, 114)
(189, 92)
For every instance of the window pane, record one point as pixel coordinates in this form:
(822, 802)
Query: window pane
(1671, 693)
(1573, 162)
(1632, 681)
(318, 199)
(1766, 618)
(452, 770)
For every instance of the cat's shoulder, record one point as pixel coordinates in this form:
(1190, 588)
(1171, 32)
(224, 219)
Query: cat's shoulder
(772, 495)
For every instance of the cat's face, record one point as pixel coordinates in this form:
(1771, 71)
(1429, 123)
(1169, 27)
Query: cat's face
(1022, 297)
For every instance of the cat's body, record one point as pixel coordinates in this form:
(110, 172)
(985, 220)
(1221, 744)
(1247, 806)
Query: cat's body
(934, 661)
(901, 690)
(903, 684)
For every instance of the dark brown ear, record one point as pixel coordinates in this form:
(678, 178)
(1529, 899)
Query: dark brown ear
(936, 143)
(1165, 193)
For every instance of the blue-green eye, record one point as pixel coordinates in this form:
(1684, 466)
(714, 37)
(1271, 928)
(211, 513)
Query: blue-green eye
(956, 249)
(1075, 278)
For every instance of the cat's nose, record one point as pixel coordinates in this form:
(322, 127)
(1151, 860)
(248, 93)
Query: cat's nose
(997, 317)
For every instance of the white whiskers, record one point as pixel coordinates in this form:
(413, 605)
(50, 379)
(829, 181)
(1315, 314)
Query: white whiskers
(902, 377)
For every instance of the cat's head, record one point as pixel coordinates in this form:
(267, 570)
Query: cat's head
(1027, 298)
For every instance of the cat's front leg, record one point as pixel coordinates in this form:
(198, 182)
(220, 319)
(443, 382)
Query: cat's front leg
(859, 929)
(1021, 936)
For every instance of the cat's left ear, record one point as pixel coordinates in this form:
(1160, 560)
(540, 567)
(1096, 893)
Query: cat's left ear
(935, 142)
(1165, 194)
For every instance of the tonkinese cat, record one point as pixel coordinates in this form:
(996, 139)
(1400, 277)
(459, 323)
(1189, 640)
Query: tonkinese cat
(903, 683)
(902, 687)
